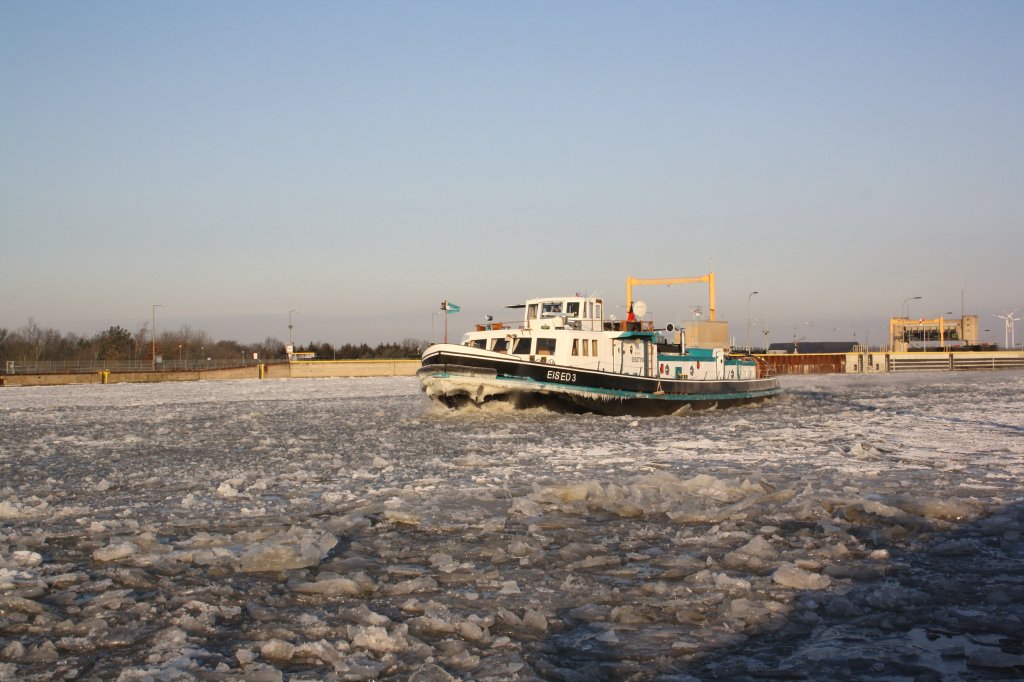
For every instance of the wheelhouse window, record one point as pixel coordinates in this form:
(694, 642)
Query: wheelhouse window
(545, 346)
(531, 312)
(522, 346)
(572, 308)
(478, 343)
(550, 309)
(500, 345)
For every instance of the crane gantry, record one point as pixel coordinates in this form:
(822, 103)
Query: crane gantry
(709, 278)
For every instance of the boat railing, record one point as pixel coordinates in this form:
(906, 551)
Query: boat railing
(608, 326)
(625, 326)
(495, 326)
(764, 370)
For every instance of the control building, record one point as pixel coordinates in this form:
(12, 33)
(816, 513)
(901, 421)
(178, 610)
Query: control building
(939, 334)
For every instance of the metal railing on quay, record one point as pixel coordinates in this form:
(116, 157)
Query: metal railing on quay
(87, 366)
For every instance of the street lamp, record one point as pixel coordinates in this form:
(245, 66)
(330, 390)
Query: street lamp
(904, 309)
(155, 306)
(432, 335)
(795, 327)
(290, 342)
(748, 319)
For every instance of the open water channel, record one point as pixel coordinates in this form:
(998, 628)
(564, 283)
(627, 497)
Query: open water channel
(857, 527)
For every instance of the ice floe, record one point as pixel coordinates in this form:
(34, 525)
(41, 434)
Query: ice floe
(351, 530)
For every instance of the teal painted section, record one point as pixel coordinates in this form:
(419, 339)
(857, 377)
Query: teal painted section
(637, 335)
(615, 393)
(702, 355)
(692, 354)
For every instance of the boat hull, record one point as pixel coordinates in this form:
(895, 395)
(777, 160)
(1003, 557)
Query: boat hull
(456, 378)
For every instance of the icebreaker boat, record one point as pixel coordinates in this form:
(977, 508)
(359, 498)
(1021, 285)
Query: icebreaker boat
(565, 354)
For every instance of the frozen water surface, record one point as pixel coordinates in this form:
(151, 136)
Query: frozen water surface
(857, 527)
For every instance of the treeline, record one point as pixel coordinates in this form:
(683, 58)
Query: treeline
(409, 348)
(33, 343)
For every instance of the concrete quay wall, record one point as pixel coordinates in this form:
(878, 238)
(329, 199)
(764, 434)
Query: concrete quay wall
(314, 369)
(949, 361)
(786, 363)
(311, 369)
(878, 361)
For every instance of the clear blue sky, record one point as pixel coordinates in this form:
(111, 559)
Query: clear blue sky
(359, 162)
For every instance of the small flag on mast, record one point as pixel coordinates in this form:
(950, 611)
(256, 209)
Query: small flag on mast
(449, 307)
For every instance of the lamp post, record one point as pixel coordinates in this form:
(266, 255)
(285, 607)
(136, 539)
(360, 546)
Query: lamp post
(795, 327)
(748, 318)
(155, 306)
(290, 342)
(904, 310)
(942, 329)
(432, 335)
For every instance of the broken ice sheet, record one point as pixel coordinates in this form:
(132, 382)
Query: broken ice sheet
(265, 530)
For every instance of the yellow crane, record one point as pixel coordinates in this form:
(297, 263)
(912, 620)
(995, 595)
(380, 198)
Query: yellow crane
(709, 278)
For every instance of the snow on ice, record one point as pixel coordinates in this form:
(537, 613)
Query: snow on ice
(857, 527)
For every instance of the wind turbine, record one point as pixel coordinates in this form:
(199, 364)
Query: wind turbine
(1009, 319)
